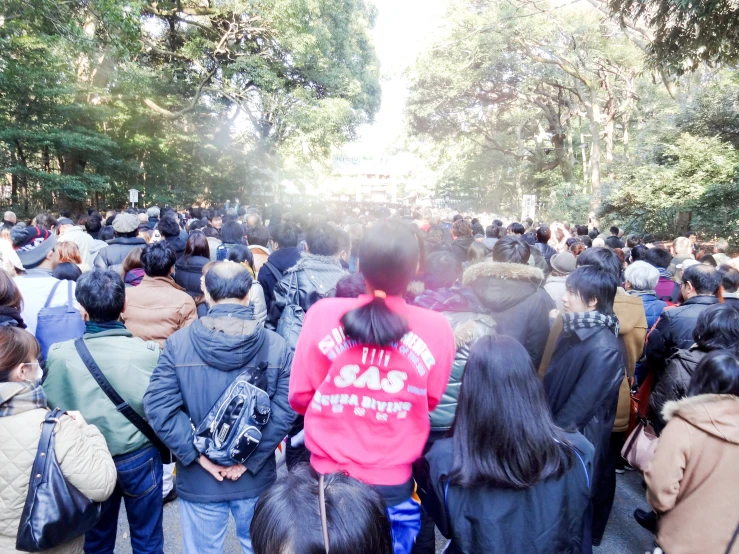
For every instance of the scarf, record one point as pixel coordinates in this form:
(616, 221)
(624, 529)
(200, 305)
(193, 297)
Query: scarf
(19, 397)
(664, 273)
(10, 317)
(588, 320)
(633, 292)
(100, 326)
(134, 277)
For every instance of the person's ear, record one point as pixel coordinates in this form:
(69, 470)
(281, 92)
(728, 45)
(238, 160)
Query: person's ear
(83, 313)
(593, 303)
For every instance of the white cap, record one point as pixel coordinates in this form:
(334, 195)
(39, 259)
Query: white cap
(687, 263)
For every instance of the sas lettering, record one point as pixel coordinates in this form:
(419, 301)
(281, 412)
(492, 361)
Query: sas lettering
(349, 375)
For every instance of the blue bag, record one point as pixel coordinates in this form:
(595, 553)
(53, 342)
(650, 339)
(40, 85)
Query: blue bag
(58, 324)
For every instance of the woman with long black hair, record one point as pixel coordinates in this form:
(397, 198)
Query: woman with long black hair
(366, 374)
(509, 480)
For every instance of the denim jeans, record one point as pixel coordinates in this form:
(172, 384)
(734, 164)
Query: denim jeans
(140, 486)
(204, 525)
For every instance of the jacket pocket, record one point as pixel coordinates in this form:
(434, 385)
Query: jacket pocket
(138, 481)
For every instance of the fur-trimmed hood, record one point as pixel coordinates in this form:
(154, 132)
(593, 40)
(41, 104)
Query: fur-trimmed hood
(500, 286)
(714, 414)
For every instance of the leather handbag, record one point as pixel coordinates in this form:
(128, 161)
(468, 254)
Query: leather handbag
(640, 446)
(55, 511)
(232, 429)
(121, 405)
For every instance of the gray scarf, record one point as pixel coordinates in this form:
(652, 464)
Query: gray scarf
(588, 320)
(19, 397)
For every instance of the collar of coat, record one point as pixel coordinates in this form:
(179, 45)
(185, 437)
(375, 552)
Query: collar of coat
(308, 259)
(504, 271)
(159, 281)
(674, 406)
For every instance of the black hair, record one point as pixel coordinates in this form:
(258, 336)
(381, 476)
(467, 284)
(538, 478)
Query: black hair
(241, 254)
(729, 278)
(705, 279)
(593, 282)
(493, 444)
(106, 233)
(717, 328)
(511, 249)
(286, 235)
(582, 230)
(498, 222)
(716, 373)
(491, 232)
(442, 271)
(287, 516)
(46, 221)
(516, 228)
(102, 293)
(345, 241)
(658, 257)
(530, 238)
(586, 240)
(570, 241)
(227, 280)
(633, 240)
(639, 252)
(457, 217)
(613, 242)
(388, 259)
(197, 245)
(67, 270)
(258, 236)
(196, 225)
(351, 286)
(168, 227)
(322, 240)
(232, 233)
(602, 257)
(462, 228)
(614, 230)
(708, 259)
(93, 224)
(477, 252)
(158, 258)
(543, 234)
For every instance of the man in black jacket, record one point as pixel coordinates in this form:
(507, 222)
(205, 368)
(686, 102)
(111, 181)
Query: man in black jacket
(199, 363)
(674, 329)
(463, 239)
(285, 254)
(126, 227)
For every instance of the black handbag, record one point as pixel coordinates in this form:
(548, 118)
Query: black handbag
(55, 511)
(121, 405)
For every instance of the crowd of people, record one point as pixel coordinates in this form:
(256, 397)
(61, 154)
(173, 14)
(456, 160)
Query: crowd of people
(420, 372)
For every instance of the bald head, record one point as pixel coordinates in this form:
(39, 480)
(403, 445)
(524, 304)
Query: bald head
(228, 282)
(9, 217)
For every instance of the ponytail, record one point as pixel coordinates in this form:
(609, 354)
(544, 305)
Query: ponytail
(374, 323)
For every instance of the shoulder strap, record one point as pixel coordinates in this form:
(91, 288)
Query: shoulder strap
(121, 405)
(70, 297)
(274, 271)
(52, 293)
(733, 540)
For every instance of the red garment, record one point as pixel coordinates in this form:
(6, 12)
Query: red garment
(367, 407)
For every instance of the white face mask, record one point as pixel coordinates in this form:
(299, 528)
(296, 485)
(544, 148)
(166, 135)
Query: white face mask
(37, 375)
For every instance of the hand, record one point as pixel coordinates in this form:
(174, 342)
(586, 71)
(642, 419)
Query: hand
(77, 418)
(215, 470)
(234, 472)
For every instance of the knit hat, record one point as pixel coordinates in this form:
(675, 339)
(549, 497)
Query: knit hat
(125, 223)
(65, 221)
(564, 262)
(32, 244)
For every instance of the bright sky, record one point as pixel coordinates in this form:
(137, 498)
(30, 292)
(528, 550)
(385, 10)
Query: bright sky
(402, 30)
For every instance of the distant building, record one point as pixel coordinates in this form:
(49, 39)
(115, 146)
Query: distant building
(371, 178)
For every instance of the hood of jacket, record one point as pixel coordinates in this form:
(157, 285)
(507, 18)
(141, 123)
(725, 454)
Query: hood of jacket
(499, 286)
(284, 258)
(714, 414)
(228, 336)
(629, 310)
(316, 262)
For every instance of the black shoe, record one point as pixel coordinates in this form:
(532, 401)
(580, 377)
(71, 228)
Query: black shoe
(171, 496)
(646, 519)
(596, 542)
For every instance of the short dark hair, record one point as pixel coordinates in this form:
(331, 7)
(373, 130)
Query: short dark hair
(322, 240)
(491, 232)
(516, 228)
(633, 240)
(351, 286)
(106, 233)
(227, 280)
(442, 271)
(639, 252)
(158, 258)
(614, 242)
(593, 234)
(717, 327)
(462, 228)
(543, 234)
(67, 271)
(232, 233)
(493, 444)
(241, 255)
(582, 230)
(602, 257)
(658, 257)
(102, 293)
(169, 227)
(512, 249)
(286, 518)
(258, 236)
(498, 222)
(585, 240)
(614, 230)
(593, 282)
(286, 235)
(457, 217)
(716, 373)
(705, 279)
(729, 278)
(46, 221)
(93, 224)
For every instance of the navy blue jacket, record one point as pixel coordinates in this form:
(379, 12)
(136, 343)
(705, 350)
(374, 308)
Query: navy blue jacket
(283, 259)
(653, 308)
(198, 363)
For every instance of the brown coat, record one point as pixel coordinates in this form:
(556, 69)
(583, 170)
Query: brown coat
(157, 308)
(632, 332)
(693, 477)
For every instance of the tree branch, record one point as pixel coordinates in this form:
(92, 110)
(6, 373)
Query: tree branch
(175, 115)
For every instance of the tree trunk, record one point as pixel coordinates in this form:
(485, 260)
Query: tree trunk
(609, 128)
(13, 178)
(594, 114)
(626, 118)
(558, 140)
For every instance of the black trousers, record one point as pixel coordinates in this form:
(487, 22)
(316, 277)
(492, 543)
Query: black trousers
(606, 490)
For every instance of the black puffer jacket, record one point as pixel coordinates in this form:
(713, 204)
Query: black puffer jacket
(177, 244)
(461, 248)
(187, 274)
(582, 383)
(112, 256)
(316, 279)
(674, 331)
(512, 294)
(674, 383)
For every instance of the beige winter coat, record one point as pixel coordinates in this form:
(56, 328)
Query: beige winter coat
(82, 455)
(693, 479)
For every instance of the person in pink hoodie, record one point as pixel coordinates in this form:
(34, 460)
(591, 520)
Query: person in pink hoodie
(366, 374)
